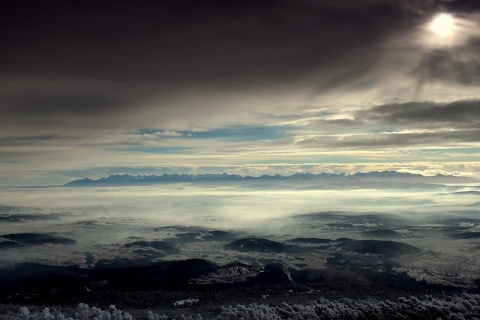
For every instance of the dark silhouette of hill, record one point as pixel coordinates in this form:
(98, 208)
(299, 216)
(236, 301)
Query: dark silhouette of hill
(382, 234)
(33, 239)
(259, 245)
(311, 241)
(341, 275)
(39, 278)
(152, 276)
(386, 248)
(466, 235)
(5, 244)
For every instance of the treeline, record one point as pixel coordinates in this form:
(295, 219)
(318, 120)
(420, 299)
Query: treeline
(222, 294)
(463, 307)
(458, 307)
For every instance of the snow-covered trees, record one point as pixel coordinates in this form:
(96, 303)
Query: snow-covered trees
(459, 307)
(465, 306)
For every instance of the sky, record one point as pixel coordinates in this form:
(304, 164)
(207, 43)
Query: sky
(92, 88)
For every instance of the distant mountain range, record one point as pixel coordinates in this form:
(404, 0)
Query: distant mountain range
(374, 176)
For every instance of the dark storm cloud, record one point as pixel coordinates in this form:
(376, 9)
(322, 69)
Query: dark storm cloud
(460, 66)
(397, 116)
(51, 104)
(59, 104)
(393, 140)
(82, 64)
(183, 41)
(426, 114)
(411, 124)
(81, 81)
(461, 5)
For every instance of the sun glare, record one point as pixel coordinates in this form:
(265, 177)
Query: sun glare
(444, 30)
(442, 25)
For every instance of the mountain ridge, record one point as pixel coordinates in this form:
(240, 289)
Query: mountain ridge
(118, 179)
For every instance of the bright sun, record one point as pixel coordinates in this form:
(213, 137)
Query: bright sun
(442, 25)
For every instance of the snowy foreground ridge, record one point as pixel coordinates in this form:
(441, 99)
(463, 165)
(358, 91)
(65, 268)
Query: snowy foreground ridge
(465, 306)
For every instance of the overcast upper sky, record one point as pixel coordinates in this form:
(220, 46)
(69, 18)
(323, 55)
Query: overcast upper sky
(90, 88)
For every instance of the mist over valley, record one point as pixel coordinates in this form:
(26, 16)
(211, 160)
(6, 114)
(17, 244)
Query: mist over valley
(219, 232)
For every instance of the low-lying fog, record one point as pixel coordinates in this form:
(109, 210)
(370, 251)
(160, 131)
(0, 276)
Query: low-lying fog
(82, 226)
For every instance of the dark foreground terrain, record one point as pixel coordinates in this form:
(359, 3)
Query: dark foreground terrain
(185, 290)
(334, 300)
(359, 279)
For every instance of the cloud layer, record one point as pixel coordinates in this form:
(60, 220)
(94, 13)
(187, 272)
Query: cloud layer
(96, 84)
